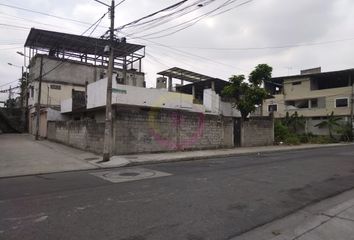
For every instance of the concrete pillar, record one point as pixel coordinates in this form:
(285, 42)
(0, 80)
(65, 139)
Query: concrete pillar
(182, 82)
(170, 84)
(213, 85)
(193, 92)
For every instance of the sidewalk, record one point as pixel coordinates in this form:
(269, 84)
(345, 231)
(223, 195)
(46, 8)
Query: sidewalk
(329, 219)
(150, 158)
(21, 155)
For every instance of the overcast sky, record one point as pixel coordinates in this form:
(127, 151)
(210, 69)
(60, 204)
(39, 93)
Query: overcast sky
(286, 34)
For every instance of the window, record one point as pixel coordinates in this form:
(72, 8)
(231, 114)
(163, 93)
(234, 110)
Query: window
(272, 108)
(341, 102)
(56, 87)
(314, 103)
(296, 83)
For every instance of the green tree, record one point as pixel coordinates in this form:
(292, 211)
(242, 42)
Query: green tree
(247, 95)
(261, 73)
(331, 122)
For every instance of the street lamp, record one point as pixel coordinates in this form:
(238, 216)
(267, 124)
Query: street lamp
(21, 53)
(14, 65)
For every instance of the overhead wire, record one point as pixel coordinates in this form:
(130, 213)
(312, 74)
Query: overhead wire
(119, 3)
(151, 15)
(271, 47)
(144, 26)
(30, 20)
(170, 48)
(191, 21)
(44, 14)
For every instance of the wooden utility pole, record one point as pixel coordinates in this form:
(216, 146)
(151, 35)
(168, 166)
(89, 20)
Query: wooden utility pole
(107, 144)
(38, 107)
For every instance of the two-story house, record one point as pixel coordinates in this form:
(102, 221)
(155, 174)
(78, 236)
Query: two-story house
(312, 94)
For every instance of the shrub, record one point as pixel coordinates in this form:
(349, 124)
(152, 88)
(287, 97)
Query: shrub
(346, 132)
(292, 140)
(281, 132)
(321, 140)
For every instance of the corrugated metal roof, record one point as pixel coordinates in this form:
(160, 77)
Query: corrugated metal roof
(183, 74)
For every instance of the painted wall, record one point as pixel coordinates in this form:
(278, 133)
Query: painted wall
(130, 95)
(303, 91)
(77, 73)
(49, 96)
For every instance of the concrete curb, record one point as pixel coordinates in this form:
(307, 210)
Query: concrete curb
(302, 220)
(100, 166)
(131, 163)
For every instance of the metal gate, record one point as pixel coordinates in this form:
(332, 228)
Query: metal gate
(237, 132)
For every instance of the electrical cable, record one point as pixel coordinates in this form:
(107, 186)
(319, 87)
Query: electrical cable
(45, 14)
(192, 22)
(144, 26)
(119, 3)
(151, 15)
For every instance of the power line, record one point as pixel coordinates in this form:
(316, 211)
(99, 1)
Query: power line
(11, 25)
(270, 47)
(8, 83)
(45, 14)
(169, 48)
(119, 3)
(9, 44)
(151, 15)
(30, 20)
(11, 48)
(192, 21)
(95, 23)
(144, 26)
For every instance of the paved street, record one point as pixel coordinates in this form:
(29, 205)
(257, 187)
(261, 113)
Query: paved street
(206, 199)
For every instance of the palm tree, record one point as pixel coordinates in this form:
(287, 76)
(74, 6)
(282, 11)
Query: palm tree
(330, 123)
(294, 122)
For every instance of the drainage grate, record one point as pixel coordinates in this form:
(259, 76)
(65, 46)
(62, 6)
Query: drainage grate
(129, 174)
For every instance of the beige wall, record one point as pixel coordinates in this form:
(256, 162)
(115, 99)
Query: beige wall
(303, 91)
(279, 101)
(55, 96)
(76, 73)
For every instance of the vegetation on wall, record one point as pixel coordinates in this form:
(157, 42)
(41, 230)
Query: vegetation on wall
(331, 123)
(290, 130)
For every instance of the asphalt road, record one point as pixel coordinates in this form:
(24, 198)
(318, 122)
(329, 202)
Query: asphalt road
(204, 199)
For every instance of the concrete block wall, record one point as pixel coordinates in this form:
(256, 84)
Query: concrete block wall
(257, 131)
(139, 130)
(142, 130)
(160, 130)
(86, 134)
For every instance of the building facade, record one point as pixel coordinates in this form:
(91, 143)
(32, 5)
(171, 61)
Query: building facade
(314, 95)
(61, 64)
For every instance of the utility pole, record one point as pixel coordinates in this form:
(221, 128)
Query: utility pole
(10, 93)
(107, 144)
(38, 107)
(352, 104)
(23, 97)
